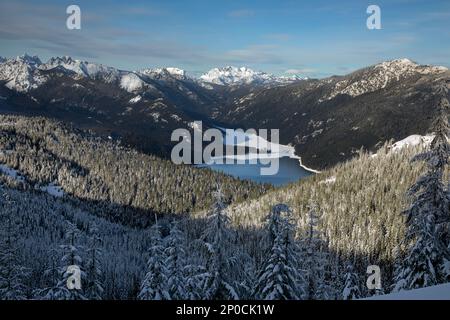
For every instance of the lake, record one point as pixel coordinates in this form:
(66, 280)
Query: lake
(289, 171)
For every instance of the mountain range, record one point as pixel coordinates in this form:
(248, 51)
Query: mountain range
(327, 120)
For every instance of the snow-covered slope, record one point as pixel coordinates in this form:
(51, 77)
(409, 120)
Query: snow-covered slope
(243, 75)
(131, 82)
(379, 76)
(439, 292)
(412, 141)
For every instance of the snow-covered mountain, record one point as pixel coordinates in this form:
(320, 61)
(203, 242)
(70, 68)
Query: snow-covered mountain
(82, 68)
(26, 72)
(21, 73)
(238, 76)
(165, 73)
(329, 119)
(379, 76)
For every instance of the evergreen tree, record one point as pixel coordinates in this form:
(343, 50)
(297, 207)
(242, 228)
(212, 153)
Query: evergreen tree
(155, 284)
(70, 259)
(279, 278)
(351, 284)
(94, 287)
(12, 273)
(427, 217)
(176, 263)
(217, 239)
(315, 259)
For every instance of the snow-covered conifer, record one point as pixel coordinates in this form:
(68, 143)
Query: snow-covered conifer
(220, 260)
(279, 278)
(94, 278)
(351, 289)
(71, 259)
(176, 262)
(155, 284)
(315, 259)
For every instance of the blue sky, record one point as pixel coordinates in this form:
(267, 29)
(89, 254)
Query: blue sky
(312, 38)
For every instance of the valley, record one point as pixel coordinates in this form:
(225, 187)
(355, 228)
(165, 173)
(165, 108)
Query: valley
(86, 179)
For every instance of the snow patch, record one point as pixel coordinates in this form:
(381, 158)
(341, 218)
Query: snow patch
(329, 180)
(131, 82)
(412, 141)
(53, 190)
(14, 174)
(136, 99)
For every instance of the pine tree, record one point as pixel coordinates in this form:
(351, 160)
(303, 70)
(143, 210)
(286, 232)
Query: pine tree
(12, 273)
(219, 258)
(279, 278)
(351, 289)
(427, 217)
(315, 259)
(71, 258)
(94, 284)
(176, 263)
(155, 283)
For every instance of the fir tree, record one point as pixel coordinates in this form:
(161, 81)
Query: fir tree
(279, 278)
(315, 259)
(94, 284)
(219, 260)
(70, 259)
(176, 263)
(155, 283)
(351, 289)
(427, 217)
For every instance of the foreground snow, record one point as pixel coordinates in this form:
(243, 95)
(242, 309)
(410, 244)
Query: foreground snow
(439, 292)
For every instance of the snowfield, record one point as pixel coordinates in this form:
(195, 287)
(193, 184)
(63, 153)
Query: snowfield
(439, 292)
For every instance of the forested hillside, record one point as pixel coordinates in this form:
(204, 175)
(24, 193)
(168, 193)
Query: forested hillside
(110, 179)
(354, 210)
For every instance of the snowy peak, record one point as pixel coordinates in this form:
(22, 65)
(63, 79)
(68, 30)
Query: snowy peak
(236, 76)
(292, 78)
(30, 60)
(2, 59)
(380, 76)
(82, 68)
(21, 73)
(243, 75)
(165, 73)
